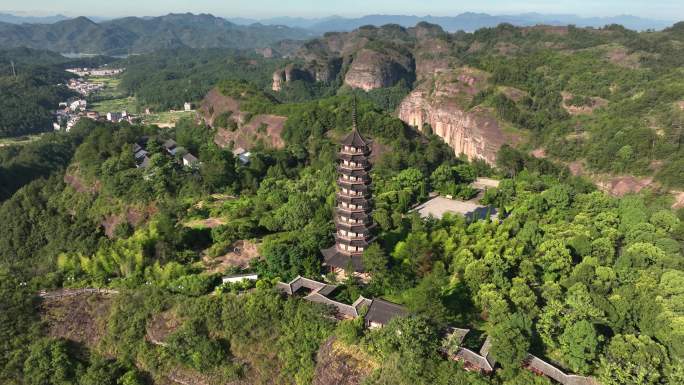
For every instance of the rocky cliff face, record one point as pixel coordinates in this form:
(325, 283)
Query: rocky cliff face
(443, 105)
(290, 74)
(278, 80)
(371, 69)
(375, 57)
(325, 72)
(431, 51)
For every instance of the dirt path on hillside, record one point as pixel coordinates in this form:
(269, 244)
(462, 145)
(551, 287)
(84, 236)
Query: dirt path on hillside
(241, 255)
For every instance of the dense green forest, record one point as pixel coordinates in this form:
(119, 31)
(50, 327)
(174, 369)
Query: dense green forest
(635, 78)
(570, 274)
(126, 35)
(27, 103)
(29, 82)
(169, 78)
(626, 87)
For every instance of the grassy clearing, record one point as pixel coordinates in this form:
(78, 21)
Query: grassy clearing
(19, 140)
(129, 104)
(111, 86)
(167, 117)
(108, 81)
(208, 223)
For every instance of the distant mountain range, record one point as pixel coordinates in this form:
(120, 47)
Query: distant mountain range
(469, 21)
(466, 21)
(19, 19)
(137, 35)
(143, 34)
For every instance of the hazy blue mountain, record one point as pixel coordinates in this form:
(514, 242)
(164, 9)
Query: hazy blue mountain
(466, 21)
(19, 19)
(294, 22)
(135, 34)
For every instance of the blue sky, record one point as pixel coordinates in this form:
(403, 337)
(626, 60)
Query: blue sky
(661, 9)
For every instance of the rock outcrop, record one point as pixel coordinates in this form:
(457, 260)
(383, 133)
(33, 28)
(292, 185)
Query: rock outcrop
(246, 129)
(290, 74)
(371, 69)
(78, 318)
(325, 72)
(587, 108)
(431, 51)
(374, 57)
(340, 365)
(443, 105)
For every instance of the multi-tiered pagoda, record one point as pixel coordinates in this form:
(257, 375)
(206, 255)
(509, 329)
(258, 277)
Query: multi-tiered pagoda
(353, 211)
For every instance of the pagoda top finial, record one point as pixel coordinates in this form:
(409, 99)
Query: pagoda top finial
(354, 138)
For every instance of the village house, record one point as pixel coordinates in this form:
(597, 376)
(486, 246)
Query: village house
(381, 312)
(72, 122)
(170, 146)
(114, 117)
(83, 86)
(142, 159)
(242, 155)
(140, 154)
(106, 71)
(187, 106)
(102, 71)
(190, 160)
(78, 105)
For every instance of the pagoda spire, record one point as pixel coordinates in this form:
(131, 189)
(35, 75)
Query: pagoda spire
(354, 123)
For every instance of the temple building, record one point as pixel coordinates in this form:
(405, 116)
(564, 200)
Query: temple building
(353, 222)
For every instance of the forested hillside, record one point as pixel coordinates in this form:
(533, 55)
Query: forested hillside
(621, 95)
(168, 78)
(135, 35)
(570, 274)
(30, 84)
(610, 99)
(27, 104)
(577, 95)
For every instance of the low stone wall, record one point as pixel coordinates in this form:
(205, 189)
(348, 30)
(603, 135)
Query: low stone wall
(74, 292)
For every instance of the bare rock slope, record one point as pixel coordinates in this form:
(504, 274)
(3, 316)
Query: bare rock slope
(443, 104)
(340, 365)
(248, 130)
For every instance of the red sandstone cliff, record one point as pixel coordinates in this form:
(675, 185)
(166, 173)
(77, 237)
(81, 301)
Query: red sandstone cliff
(443, 104)
(373, 57)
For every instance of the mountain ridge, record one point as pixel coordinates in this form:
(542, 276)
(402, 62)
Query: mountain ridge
(471, 20)
(467, 21)
(139, 35)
